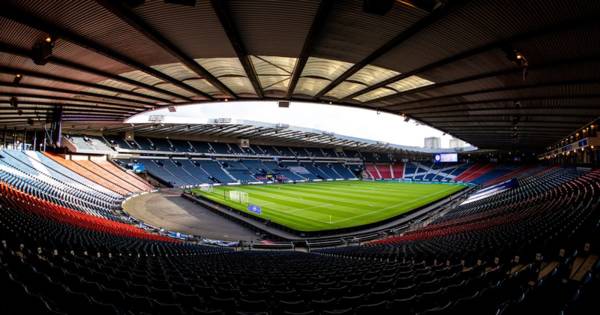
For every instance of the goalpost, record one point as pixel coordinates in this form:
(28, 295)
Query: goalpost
(207, 188)
(236, 196)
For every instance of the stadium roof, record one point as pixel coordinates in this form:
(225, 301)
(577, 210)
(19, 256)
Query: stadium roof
(498, 74)
(233, 129)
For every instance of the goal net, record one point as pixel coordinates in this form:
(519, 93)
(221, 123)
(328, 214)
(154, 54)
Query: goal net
(207, 188)
(237, 196)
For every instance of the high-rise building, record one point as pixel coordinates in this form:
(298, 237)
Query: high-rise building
(457, 143)
(433, 143)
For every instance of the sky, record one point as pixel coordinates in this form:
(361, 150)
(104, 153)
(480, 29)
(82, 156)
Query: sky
(341, 120)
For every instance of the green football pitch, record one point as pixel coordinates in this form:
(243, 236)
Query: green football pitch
(311, 207)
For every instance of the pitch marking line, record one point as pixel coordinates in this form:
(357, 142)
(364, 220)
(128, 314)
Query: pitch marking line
(390, 207)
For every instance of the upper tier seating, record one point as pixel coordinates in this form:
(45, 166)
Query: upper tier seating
(117, 142)
(222, 148)
(202, 147)
(181, 146)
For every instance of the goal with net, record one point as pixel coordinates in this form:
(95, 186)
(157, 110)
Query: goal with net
(237, 196)
(207, 188)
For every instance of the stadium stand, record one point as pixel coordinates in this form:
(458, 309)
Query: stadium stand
(517, 172)
(397, 170)
(102, 172)
(384, 170)
(159, 169)
(419, 171)
(89, 144)
(343, 171)
(73, 166)
(239, 171)
(473, 172)
(130, 178)
(175, 167)
(449, 266)
(195, 169)
(144, 168)
(375, 165)
(372, 171)
(496, 171)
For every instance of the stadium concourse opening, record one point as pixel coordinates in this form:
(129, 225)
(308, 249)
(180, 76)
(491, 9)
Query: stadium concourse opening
(300, 157)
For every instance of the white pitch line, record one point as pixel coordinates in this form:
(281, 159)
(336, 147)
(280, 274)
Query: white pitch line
(389, 207)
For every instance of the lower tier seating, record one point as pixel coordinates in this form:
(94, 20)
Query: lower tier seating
(529, 250)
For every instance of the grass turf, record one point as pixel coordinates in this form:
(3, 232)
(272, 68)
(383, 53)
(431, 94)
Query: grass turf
(311, 207)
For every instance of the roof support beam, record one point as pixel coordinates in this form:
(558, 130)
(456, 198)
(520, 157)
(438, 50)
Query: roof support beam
(562, 26)
(28, 105)
(65, 100)
(141, 26)
(422, 102)
(313, 33)
(59, 90)
(414, 29)
(223, 13)
(25, 18)
(416, 110)
(51, 77)
(484, 112)
(493, 74)
(500, 123)
(34, 115)
(12, 50)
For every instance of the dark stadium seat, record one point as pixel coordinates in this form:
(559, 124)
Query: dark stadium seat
(59, 260)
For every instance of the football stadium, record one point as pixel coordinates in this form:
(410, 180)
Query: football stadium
(329, 205)
(300, 157)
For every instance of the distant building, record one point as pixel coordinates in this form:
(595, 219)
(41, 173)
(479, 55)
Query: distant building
(457, 143)
(433, 143)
